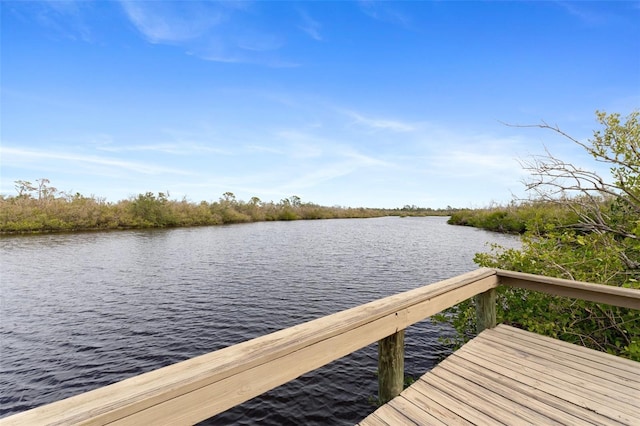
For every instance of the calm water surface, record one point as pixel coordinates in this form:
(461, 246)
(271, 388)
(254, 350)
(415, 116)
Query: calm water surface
(80, 311)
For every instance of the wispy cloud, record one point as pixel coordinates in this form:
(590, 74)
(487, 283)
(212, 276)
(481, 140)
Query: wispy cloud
(310, 26)
(318, 176)
(11, 156)
(172, 22)
(63, 18)
(165, 148)
(321, 159)
(300, 144)
(583, 12)
(195, 141)
(220, 31)
(259, 42)
(303, 145)
(362, 160)
(478, 163)
(213, 31)
(346, 164)
(384, 11)
(264, 149)
(380, 123)
(466, 156)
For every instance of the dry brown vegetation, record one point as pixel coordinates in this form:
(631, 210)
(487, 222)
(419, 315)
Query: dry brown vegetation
(42, 208)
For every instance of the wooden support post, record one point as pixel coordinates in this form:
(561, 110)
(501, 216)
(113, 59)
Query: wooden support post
(485, 310)
(390, 367)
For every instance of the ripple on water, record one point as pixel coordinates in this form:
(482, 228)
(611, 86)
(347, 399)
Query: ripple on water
(80, 311)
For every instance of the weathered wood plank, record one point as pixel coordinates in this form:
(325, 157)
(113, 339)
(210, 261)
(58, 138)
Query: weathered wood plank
(581, 393)
(510, 389)
(391, 416)
(599, 293)
(501, 376)
(451, 402)
(373, 420)
(390, 367)
(554, 381)
(599, 373)
(602, 360)
(483, 400)
(529, 386)
(415, 413)
(585, 384)
(433, 408)
(508, 408)
(485, 310)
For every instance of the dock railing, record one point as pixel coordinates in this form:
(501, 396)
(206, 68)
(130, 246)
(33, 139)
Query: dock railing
(199, 388)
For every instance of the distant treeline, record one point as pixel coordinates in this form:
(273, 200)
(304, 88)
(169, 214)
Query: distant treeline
(42, 208)
(516, 218)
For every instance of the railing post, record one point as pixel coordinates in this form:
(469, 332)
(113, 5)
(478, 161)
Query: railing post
(485, 310)
(390, 367)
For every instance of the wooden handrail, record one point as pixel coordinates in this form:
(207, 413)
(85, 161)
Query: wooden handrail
(201, 387)
(607, 294)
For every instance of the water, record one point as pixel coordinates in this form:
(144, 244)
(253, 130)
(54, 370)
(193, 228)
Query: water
(80, 311)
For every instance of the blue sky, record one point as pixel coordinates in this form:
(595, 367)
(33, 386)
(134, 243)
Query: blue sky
(376, 104)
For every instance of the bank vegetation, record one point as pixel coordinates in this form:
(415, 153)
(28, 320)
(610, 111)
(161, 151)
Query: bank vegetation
(578, 225)
(40, 207)
(518, 217)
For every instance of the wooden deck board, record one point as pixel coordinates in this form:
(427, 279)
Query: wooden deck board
(510, 376)
(491, 400)
(525, 385)
(614, 369)
(433, 408)
(604, 359)
(514, 391)
(574, 388)
(414, 412)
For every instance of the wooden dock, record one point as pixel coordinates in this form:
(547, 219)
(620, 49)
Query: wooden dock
(509, 376)
(503, 376)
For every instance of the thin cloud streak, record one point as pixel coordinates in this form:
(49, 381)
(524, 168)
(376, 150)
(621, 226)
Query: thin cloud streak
(382, 11)
(321, 175)
(262, 149)
(66, 19)
(163, 23)
(302, 145)
(582, 13)
(305, 145)
(14, 155)
(211, 31)
(310, 26)
(173, 149)
(380, 124)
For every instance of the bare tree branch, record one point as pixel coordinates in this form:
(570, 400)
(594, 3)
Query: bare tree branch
(602, 206)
